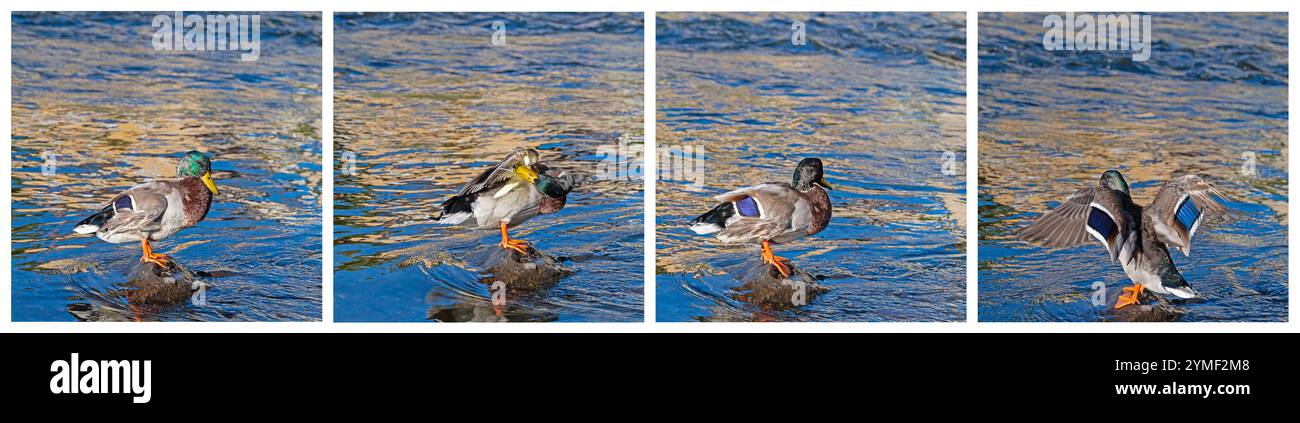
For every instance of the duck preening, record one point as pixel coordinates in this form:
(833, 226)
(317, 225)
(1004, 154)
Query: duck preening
(155, 210)
(1135, 236)
(772, 212)
(505, 195)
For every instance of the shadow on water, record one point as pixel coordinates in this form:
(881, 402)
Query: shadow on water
(424, 102)
(1211, 98)
(879, 97)
(97, 110)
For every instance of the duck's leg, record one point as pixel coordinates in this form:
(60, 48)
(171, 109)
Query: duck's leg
(775, 261)
(1130, 295)
(148, 255)
(512, 244)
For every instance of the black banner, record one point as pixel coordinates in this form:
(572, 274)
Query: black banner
(420, 370)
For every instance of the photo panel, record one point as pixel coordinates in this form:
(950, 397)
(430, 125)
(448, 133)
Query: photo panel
(166, 166)
(1112, 144)
(811, 167)
(488, 167)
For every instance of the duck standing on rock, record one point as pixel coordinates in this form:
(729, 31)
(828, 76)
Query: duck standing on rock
(772, 212)
(1137, 237)
(155, 210)
(503, 196)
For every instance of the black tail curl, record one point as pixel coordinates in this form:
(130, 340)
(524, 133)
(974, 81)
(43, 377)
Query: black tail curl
(95, 221)
(718, 216)
(456, 205)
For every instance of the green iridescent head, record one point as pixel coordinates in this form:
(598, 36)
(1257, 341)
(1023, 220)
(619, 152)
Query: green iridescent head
(809, 173)
(555, 186)
(197, 165)
(1113, 180)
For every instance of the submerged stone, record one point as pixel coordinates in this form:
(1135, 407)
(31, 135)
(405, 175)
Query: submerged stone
(761, 285)
(149, 283)
(1150, 308)
(67, 266)
(519, 273)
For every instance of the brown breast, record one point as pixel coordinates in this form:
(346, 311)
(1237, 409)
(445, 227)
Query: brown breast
(551, 205)
(820, 203)
(197, 199)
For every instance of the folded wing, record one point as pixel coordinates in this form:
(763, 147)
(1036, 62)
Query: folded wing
(138, 208)
(760, 212)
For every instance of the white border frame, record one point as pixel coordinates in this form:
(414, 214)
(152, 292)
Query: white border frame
(649, 8)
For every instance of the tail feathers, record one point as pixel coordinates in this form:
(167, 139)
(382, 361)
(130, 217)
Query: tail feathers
(1181, 289)
(456, 210)
(92, 224)
(713, 221)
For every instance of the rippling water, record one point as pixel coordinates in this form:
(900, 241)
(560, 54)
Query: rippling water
(424, 102)
(878, 97)
(90, 91)
(1213, 92)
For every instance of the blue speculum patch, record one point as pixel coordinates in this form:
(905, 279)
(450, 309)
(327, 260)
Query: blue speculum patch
(123, 203)
(1101, 222)
(1188, 213)
(747, 207)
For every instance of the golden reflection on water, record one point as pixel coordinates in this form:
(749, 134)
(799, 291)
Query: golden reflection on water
(101, 146)
(415, 131)
(760, 137)
(1027, 162)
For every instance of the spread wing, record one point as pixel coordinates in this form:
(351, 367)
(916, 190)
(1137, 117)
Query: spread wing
(1179, 209)
(1095, 212)
(1064, 226)
(502, 172)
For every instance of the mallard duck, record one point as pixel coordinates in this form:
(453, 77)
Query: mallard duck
(1137, 237)
(508, 194)
(771, 212)
(155, 210)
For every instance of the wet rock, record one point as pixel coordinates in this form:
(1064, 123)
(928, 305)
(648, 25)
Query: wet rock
(761, 285)
(1150, 308)
(67, 267)
(151, 284)
(514, 283)
(521, 274)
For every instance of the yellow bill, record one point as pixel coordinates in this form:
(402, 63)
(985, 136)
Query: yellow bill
(207, 180)
(526, 172)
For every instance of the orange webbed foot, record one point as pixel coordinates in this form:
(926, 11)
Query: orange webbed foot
(777, 262)
(1130, 296)
(518, 245)
(148, 256)
(161, 260)
(780, 264)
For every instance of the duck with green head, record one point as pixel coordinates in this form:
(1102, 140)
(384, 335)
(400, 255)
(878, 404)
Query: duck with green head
(503, 196)
(155, 210)
(772, 212)
(1137, 237)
